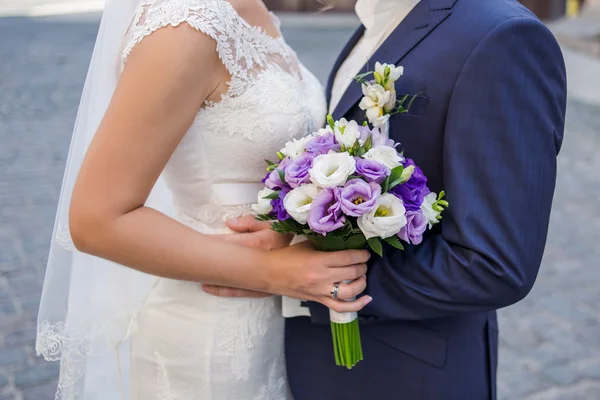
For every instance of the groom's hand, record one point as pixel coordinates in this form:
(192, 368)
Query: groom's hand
(251, 233)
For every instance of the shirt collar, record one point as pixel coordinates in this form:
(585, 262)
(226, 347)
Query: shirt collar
(375, 15)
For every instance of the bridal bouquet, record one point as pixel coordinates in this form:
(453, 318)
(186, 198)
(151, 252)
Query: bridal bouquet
(347, 187)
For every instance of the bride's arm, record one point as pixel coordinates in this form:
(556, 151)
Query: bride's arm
(167, 78)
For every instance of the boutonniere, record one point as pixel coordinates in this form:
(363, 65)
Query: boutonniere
(380, 101)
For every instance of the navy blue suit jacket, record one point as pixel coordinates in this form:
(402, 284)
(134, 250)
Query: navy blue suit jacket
(486, 128)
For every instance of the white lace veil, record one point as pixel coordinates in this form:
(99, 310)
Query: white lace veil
(88, 304)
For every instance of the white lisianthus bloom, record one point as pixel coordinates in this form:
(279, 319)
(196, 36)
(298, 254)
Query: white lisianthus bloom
(264, 205)
(346, 132)
(385, 155)
(407, 173)
(428, 211)
(298, 201)
(333, 169)
(296, 147)
(386, 219)
(324, 131)
(389, 71)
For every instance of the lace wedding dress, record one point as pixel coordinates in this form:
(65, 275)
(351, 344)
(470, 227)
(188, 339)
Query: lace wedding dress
(188, 345)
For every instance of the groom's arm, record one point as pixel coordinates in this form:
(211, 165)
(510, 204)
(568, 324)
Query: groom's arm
(504, 129)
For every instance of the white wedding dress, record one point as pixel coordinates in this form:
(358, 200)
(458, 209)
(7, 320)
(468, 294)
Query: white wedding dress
(187, 345)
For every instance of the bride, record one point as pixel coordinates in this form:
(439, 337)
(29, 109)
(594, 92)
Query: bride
(183, 101)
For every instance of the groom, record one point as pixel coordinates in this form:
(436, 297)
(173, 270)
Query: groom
(486, 127)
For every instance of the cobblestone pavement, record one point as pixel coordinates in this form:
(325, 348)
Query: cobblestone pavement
(550, 347)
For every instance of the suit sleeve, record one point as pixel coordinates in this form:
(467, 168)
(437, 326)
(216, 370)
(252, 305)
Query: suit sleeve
(503, 132)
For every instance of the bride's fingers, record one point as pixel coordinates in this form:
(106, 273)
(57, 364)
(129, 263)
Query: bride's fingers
(346, 306)
(351, 290)
(247, 224)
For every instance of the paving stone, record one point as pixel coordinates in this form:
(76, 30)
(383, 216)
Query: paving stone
(36, 374)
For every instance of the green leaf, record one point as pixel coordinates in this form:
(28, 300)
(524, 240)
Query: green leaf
(273, 195)
(270, 162)
(281, 175)
(375, 245)
(361, 77)
(395, 177)
(385, 186)
(263, 217)
(394, 241)
(356, 242)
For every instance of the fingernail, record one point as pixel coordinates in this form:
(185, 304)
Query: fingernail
(368, 300)
(365, 276)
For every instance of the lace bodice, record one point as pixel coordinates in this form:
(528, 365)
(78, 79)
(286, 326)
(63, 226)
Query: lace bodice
(271, 98)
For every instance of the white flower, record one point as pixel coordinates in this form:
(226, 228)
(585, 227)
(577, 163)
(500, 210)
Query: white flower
(389, 72)
(385, 155)
(264, 205)
(296, 147)
(377, 102)
(428, 211)
(298, 201)
(346, 132)
(333, 169)
(324, 131)
(386, 219)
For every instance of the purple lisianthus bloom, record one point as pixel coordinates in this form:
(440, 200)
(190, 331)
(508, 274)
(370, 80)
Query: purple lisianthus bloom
(379, 139)
(414, 190)
(372, 171)
(322, 144)
(358, 197)
(278, 208)
(415, 227)
(325, 212)
(273, 180)
(297, 172)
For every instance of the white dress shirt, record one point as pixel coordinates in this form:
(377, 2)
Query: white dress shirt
(380, 18)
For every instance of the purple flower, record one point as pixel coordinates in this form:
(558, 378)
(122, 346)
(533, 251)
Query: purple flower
(358, 197)
(278, 208)
(297, 172)
(371, 170)
(415, 227)
(379, 139)
(322, 144)
(325, 212)
(273, 180)
(414, 190)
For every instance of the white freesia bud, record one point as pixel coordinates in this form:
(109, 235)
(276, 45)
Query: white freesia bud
(296, 147)
(264, 205)
(298, 201)
(407, 173)
(385, 220)
(333, 169)
(428, 211)
(385, 155)
(346, 132)
(390, 74)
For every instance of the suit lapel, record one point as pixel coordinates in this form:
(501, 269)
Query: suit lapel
(421, 21)
(343, 55)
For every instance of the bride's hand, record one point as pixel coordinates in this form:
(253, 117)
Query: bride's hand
(301, 272)
(251, 233)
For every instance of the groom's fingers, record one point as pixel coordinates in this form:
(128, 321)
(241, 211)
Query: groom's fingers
(247, 224)
(221, 291)
(351, 290)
